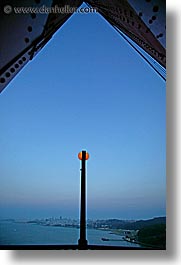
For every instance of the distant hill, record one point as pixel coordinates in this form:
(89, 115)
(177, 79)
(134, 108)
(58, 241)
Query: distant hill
(134, 225)
(153, 235)
(143, 223)
(152, 232)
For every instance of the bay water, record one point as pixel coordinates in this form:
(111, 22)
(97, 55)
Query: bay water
(14, 233)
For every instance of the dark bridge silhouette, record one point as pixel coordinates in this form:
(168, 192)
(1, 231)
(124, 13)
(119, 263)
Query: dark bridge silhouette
(141, 22)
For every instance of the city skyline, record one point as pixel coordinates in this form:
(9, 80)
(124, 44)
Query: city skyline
(87, 89)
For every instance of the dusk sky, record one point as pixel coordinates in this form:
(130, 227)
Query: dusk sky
(86, 90)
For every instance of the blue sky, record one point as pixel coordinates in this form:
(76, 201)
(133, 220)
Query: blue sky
(87, 89)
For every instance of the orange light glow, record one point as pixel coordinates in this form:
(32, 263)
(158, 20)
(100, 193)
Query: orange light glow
(86, 156)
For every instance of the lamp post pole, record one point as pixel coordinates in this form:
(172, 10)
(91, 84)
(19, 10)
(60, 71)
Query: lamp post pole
(82, 241)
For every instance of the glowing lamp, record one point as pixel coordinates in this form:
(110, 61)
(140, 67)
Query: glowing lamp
(86, 156)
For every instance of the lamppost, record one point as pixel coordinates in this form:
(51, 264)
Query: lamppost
(82, 243)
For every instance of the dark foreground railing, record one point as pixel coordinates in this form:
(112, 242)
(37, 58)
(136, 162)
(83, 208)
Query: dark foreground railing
(73, 247)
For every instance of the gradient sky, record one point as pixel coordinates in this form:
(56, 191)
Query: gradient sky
(87, 89)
